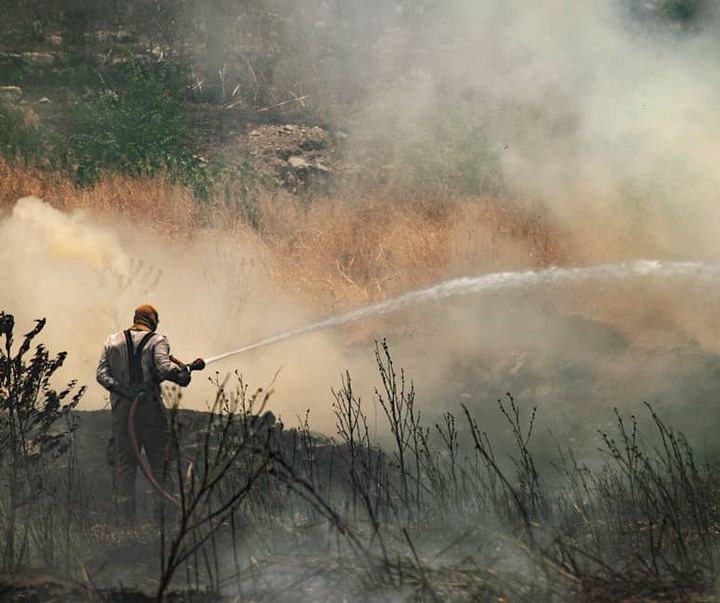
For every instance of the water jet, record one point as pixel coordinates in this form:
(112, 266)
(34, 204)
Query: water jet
(698, 271)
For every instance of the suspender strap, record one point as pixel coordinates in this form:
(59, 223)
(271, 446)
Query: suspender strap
(135, 357)
(132, 367)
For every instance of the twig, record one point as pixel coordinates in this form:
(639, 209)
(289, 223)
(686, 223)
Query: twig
(298, 99)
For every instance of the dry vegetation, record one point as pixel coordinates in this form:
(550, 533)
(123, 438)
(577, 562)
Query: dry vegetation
(270, 514)
(337, 253)
(167, 207)
(439, 515)
(349, 251)
(442, 513)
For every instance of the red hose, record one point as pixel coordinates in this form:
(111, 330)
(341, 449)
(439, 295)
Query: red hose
(147, 472)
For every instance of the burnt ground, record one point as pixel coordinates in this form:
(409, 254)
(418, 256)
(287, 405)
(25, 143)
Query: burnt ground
(574, 367)
(45, 589)
(595, 366)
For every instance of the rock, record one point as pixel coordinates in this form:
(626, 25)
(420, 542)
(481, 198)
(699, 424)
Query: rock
(104, 36)
(298, 163)
(10, 94)
(297, 156)
(39, 59)
(124, 37)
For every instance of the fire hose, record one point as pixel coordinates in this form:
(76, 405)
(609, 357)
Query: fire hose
(200, 364)
(196, 365)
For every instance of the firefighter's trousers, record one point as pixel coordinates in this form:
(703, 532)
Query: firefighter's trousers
(151, 436)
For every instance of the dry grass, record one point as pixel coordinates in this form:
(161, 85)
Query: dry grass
(17, 181)
(336, 253)
(343, 253)
(167, 207)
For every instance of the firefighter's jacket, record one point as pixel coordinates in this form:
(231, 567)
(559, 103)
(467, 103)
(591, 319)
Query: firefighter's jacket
(118, 373)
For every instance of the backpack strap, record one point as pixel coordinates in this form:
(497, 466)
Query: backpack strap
(135, 357)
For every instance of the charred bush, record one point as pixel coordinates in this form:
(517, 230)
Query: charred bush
(35, 431)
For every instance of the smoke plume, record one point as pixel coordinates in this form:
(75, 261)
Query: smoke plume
(213, 294)
(602, 112)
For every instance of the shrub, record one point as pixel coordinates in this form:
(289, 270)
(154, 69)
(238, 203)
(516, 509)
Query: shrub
(455, 154)
(443, 151)
(30, 440)
(137, 126)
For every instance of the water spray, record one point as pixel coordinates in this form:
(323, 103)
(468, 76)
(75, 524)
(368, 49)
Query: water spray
(493, 282)
(699, 271)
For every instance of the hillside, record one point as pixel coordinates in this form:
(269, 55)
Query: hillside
(466, 253)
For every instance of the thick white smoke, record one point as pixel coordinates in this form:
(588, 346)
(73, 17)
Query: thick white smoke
(214, 293)
(606, 115)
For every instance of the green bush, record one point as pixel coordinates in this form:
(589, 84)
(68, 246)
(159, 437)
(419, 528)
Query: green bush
(444, 151)
(13, 69)
(239, 185)
(137, 126)
(681, 10)
(453, 153)
(669, 12)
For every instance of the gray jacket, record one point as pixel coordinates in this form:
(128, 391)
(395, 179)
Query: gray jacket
(114, 370)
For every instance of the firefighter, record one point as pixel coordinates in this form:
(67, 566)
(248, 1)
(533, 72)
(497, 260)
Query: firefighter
(133, 364)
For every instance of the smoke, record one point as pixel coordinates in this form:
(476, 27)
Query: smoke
(555, 342)
(213, 293)
(605, 114)
(602, 111)
(48, 262)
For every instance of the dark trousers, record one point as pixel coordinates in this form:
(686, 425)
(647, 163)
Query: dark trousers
(151, 436)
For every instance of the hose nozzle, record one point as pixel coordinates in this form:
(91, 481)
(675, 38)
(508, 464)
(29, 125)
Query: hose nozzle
(196, 365)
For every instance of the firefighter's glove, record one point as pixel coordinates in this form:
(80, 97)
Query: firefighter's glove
(183, 377)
